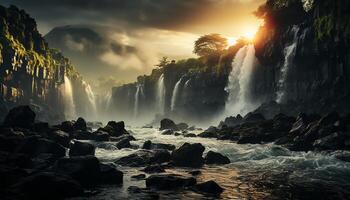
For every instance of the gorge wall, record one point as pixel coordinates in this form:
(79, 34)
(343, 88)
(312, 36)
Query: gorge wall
(32, 73)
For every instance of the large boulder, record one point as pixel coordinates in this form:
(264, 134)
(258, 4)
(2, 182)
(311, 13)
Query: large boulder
(60, 137)
(335, 141)
(110, 174)
(34, 146)
(168, 124)
(253, 117)
(209, 187)
(216, 158)
(115, 129)
(169, 181)
(182, 126)
(142, 158)
(80, 124)
(124, 143)
(188, 155)
(21, 116)
(150, 145)
(81, 149)
(67, 126)
(47, 185)
(85, 169)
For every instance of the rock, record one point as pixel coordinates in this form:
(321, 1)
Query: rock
(139, 177)
(142, 193)
(208, 135)
(67, 126)
(329, 119)
(167, 132)
(149, 145)
(209, 187)
(124, 143)
(34, 146)
(188, 155)
(83, 135)
(48, 185)
(10, 143)
(110, 175)
(282, 123)
(335, 141)
(117, 139)
(169, 181)
(101, 136)
(21, 116)
(182, 126)
(115, 129)
(153, 169)
(168, 124)
(231, 121)
(195, 172)
(81, 149)
(143, 158)
(60, 137)
(216, 158)
(253, 117)
(84, 169)
(41, 127)
(80, 124)
(190, 135)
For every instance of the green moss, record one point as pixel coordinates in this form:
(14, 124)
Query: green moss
(324, 27)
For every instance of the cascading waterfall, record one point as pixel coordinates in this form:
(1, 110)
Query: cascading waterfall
(176, 93)
(238, 86)
(161, 94)
(139, 93)
(69, 105)
(91, 97)
(107, 100)
(289, 54)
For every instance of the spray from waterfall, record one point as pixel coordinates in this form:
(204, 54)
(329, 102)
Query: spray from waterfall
(139, 91)
(289, 54)
(161, 94)
(176, 93)
(238, 87)
(69, 106)
(91, 97)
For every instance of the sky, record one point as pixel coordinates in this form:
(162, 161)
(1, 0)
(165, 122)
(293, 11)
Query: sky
(114, 41)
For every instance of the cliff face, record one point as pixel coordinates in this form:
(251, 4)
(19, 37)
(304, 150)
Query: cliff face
(31, 72)
(303, 49)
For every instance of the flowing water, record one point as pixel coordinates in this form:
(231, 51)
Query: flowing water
(176, 93)
(69, 105)
(139, 93)
(92, 100)
(256, 171)
(289, 54)
(238, 87)
(161, 94)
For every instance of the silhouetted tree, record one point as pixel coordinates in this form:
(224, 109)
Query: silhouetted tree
(208, 45)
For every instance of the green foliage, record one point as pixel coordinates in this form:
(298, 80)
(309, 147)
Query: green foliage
(324, 27)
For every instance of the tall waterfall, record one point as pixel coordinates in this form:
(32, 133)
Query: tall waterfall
(289, 54)
(161, 94)
(69, 105)
(176, 93)
(91, 97)
(138, 94)
(238, 86)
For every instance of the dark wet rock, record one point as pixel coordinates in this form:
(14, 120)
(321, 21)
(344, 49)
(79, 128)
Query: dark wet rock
(216, 158)
(195, 172)
(142, 158)
(190, 135)
(10, 143)
(149, 145)
(21, 116)
(101, 136)
(188, 155)
(67, 126)
(81, 149)
(282, 123)
(209, 134)
(124, 143)
(80, 124)
(34, 146)
(209, 187)
(43, 161)
(41, 127)
(115, 129)
(182, 126)
(84, 169)
(142, 193)
(110, 174)
(177, 134)
(335, 141)
(122, 137)
(153, 169)
(167, 132)
(168, 124)
(139, 177)
(253, 117)
(47, 185)
(169, 181)
(83, 135)
(60, 137)
(231, 121)
(329, 119)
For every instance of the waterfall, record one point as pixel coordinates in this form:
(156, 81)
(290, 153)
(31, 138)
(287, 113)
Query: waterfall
(139, 93)
(238, 87)
(161, 94)
(69, 106)
(176, 92)
(289, 54)
(91, 97)
(107, 100)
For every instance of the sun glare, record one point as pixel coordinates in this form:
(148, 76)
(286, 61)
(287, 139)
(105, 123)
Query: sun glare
(231, 41)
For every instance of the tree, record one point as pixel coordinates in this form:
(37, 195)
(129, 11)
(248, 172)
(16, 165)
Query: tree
(208, 45)
(163, 62)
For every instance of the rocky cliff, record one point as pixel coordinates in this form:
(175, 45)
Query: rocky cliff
(30, 71)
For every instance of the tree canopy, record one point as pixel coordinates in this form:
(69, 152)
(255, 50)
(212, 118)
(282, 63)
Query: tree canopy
(210, 44)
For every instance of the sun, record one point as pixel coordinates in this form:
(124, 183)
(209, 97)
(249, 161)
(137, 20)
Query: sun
(250, 32)
(231, 41)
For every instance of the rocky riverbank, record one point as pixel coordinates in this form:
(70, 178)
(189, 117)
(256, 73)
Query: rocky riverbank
(40, 161)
